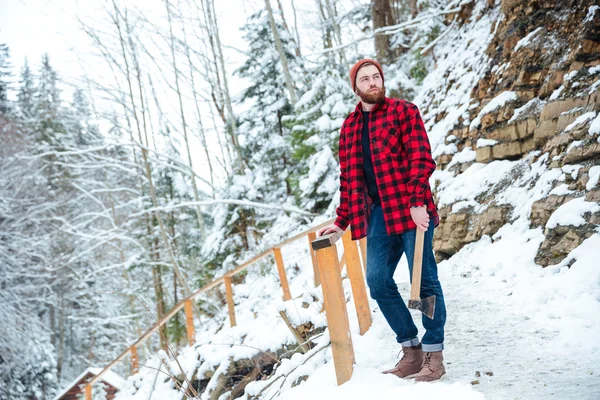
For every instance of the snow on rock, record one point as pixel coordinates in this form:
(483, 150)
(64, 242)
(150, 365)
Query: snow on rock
(486, 142)
(527, 39)
(494, 104)
(477, 179)
(466, 155)
(580, 120)
(594, 174)
(595, 126)
(571, 213)
(533, 106)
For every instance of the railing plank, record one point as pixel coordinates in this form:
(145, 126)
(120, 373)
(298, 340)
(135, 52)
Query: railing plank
(336, 312)
(313, 255)
(135, 363)
(189, 322)
(229, 295)
(357, 281)
(363, 252)
(285, 287)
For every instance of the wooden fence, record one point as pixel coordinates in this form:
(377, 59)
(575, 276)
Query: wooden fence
(327, 272)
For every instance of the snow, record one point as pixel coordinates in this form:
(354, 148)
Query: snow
(533, 106)
(494, 104)
(476, 180)
(571, 213)
(556, 93)
(466, 155)
(591, 13)
(527, 39)
(571, 75)
(595, 126)
(594, 175)
(580, 120)
(486, 142)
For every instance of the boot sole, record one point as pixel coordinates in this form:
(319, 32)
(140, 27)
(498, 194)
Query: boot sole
(437, 380)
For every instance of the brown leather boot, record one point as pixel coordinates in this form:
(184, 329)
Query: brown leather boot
(433, 367)
(410, 363)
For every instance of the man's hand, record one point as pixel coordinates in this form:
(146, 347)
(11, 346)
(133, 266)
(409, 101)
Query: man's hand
(420, 217)
(329, 229)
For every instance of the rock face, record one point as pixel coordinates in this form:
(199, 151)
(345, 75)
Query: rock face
(546, 56)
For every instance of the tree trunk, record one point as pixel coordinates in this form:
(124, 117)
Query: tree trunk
(336, 30)
(286, 72)
(196, 104)
(183, 121)
(412, 6)
(219, 51)
(381, 13)
(60, 350)
(144, 150)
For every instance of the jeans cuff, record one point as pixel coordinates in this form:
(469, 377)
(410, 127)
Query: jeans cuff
(429, 348)
(410, 343)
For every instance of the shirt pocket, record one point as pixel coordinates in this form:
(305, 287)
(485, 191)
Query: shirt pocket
(390, 142)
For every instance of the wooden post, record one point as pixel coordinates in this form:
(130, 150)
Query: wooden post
(88, 392)
(312, 236)
(135, 363)
(335, 306)
(363, 252)
(189, 322)
(229, 295)
(282, 276)
(357, 281)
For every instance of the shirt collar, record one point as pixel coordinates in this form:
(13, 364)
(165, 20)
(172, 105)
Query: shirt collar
(384, 106)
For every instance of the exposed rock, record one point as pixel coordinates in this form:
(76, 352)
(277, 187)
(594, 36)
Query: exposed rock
(461, 228)
(578, 154)
(483, 154)
(560, 242)
(541, 210)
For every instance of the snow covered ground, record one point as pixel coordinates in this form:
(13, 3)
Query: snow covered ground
(530, 332)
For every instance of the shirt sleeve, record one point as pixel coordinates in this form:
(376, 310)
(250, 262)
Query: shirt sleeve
(420, 161)
(342, 220)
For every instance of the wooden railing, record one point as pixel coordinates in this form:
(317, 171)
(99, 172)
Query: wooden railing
(327, 272)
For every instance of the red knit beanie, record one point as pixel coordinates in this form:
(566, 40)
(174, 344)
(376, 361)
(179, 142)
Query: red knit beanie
(357, 66)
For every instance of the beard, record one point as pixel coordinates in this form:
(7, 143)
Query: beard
(372, 96)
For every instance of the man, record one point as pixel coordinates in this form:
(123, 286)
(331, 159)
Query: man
(385, 163)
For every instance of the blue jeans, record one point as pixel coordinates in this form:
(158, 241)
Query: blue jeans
(383, 254)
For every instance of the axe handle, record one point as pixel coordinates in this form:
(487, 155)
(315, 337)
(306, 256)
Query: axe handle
(415, 289)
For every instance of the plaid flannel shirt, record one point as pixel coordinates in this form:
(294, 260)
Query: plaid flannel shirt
(402, 163)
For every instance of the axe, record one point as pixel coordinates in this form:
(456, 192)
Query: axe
(426, 306)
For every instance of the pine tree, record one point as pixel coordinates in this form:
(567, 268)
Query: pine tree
(26, 93)
(5, 74)
(81, 128)
(49, 124)
(262, 128)
(314, 137)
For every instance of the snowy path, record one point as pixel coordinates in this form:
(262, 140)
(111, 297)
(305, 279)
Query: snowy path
(534, 329)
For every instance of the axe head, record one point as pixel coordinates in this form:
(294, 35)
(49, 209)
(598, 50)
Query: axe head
(426, 306)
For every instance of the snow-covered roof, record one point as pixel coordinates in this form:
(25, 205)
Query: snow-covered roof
(109, 377)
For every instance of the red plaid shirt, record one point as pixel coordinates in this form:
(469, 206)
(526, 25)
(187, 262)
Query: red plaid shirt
(402, 164)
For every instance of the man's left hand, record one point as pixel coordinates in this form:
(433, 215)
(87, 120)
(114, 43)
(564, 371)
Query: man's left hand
(420, 217)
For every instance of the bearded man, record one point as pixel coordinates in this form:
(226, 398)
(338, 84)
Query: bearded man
(385, 163)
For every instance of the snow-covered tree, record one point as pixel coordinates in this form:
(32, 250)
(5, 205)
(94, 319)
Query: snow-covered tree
(5, 74)
(314, 137)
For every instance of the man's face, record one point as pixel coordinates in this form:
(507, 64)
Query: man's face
(369, 85)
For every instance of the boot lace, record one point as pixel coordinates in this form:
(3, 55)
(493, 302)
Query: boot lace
(427, 361)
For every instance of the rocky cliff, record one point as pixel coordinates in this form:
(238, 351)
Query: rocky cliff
(537, 102)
